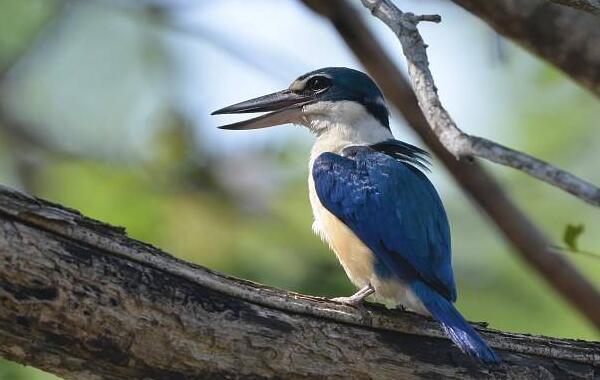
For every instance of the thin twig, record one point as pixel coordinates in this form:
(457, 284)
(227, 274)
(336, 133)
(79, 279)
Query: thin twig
(460, 144)
(589, 254)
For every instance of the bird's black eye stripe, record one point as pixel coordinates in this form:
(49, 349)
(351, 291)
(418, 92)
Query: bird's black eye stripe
(318, 83)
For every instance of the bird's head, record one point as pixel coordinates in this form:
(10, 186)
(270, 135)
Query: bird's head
(332, 97)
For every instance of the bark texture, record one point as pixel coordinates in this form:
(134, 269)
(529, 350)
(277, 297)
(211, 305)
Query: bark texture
(592, 6)
(80, 299)
(565, 37)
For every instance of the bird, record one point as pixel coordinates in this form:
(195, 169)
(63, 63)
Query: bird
(371, 199)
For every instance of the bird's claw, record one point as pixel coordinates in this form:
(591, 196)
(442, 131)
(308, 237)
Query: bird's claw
(350, 301)
(357, 298)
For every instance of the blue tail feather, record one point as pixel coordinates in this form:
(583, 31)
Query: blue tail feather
(455, 326)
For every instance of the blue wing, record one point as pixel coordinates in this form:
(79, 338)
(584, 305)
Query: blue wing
(394, 209)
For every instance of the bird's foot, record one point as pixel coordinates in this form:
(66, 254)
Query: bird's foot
(351, 301)
(357, 298)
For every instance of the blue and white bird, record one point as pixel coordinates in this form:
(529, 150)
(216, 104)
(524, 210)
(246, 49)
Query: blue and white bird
(371, 201)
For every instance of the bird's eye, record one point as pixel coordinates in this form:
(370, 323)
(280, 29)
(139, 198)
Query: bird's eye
(318, 84)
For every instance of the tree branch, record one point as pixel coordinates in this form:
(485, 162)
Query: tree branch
(565, 37)
(80, 299)
(460, 144)
(591, 6)
(532, 244)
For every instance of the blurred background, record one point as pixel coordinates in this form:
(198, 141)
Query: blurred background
(104, 107)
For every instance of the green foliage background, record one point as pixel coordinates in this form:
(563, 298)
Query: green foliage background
(167, 187)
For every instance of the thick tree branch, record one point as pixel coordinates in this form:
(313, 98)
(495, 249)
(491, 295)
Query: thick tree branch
(565, 37)
(532, 245)
(592, 6)
(80, 299)
(460, 144)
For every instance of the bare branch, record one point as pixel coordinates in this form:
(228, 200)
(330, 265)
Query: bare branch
(79, 298)
(565, 37)
(592, 6)
(529, 242)
(460, 144)
(480, 147)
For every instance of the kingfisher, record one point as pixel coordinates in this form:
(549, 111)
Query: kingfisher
(371, 200)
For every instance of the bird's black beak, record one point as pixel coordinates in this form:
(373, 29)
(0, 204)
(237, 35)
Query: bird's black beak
(286, 106)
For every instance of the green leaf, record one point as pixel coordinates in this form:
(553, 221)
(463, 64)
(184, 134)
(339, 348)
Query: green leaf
(571, 234)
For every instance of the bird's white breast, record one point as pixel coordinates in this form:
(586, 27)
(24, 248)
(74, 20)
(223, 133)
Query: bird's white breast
(356, 258)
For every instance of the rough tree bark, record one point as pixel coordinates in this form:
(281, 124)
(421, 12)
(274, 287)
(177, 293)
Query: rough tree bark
(80, 299)
(565, 37)
(592, 6)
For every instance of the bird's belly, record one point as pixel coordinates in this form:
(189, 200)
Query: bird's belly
(359, 262)
(356, 258)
